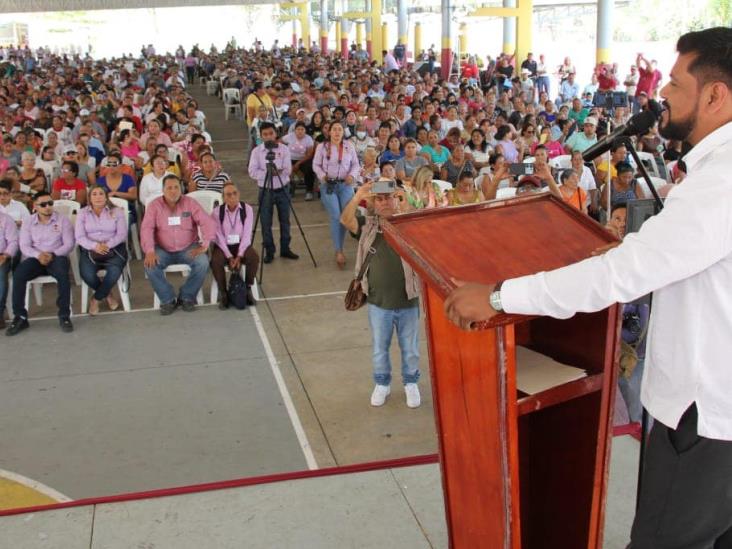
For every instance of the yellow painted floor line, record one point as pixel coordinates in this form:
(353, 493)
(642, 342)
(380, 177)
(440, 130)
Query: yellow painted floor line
(17, 491)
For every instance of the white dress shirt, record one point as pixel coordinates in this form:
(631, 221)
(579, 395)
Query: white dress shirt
(16, 210)
(684, 256)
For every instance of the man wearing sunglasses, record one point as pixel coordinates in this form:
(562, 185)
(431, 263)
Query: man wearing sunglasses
(46, 240)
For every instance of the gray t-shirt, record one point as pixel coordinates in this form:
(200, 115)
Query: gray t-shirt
(410, 166)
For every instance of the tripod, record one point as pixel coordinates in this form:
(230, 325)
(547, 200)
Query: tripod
(266, 198)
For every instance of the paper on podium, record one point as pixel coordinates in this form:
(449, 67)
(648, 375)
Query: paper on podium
(536, 372)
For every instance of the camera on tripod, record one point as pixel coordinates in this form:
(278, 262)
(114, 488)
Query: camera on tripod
(270, 146)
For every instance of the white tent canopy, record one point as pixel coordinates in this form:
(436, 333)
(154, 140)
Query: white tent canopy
(25, 6)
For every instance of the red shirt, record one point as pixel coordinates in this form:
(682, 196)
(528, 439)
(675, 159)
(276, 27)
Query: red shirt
(647, 81)
(606, 82)
(68, 191)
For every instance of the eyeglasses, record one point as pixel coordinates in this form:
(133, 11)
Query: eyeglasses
(112, 164)
(65, 169)
(47, 204)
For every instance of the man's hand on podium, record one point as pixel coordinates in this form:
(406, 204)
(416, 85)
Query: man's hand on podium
(469, 303)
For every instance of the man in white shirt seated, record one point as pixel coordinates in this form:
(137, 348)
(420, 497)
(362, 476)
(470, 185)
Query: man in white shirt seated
(16, 210)
(684, 256)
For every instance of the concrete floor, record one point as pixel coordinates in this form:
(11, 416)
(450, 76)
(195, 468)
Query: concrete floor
(394, 508)
(139, 419)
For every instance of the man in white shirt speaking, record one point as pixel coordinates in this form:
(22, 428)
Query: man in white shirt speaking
(684, 256)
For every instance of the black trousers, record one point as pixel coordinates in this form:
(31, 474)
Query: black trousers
(686, 497)
(31, 268)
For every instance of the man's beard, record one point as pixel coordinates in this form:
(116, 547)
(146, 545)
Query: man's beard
(677, 129)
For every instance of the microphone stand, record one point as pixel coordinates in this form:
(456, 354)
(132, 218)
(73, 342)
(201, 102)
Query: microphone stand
(644, 415)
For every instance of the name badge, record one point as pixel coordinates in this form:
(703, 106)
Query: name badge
(172, 221)
(232, 239)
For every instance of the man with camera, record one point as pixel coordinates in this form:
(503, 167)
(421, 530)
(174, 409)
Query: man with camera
(273, 192)
(391, 286)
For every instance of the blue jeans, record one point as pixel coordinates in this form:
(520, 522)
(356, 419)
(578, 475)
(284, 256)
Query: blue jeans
(113, 267)
(383, 322)
(543, 83)
(268, 201)
(334, 204)
(630, 388)
(194, 281)
(31, 268)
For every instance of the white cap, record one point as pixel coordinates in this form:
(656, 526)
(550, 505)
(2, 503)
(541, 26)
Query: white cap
(591, 120)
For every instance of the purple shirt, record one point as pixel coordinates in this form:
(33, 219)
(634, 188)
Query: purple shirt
(8, 236)
(110, 227)
(335, 162)
(56, 236)
(232, 227)
(174, 230)
(258, 165)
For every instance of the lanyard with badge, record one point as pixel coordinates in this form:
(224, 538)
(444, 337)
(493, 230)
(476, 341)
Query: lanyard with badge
(232, 238)
(340, 160)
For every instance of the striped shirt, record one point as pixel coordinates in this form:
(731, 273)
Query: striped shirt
(216, 183)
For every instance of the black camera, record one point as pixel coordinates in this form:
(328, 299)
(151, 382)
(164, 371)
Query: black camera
(270, 145)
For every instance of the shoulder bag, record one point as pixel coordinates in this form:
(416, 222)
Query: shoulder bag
(355, 298)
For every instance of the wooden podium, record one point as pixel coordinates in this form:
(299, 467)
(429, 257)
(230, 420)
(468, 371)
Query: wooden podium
(518, 470)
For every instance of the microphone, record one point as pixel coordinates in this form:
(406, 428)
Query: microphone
(637, 125)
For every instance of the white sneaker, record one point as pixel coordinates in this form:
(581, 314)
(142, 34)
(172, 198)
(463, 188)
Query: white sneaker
(308, 197)
(378, 397)
(413, 398)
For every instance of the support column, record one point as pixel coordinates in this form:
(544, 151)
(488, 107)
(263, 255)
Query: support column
(605, 10)
(463, 39)
(524, 30)
(402, 23)
(294, 33)
(359, 34)
(345, 30)
(376, 31)
(324, 27)
(305, 24)
(417, 39)
(509, 29)
(338, 36)
(446, 57)
(384, 36)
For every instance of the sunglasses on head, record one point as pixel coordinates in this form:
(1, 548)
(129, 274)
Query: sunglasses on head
(46, 204)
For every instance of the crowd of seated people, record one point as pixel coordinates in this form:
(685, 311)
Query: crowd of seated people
(95, 133)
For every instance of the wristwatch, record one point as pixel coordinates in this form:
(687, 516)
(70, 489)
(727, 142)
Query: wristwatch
(495, 298)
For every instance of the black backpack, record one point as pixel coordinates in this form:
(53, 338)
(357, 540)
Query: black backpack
(242, 212)
(237, 291)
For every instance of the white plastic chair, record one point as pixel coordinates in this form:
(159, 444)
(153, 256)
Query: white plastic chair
(37, 285)
(649, 161)
(212, 86)
(443, 185)
(232, 101)
(562, 162)
(214, 296)
(69, 209)
(184, 270)
(507, 192)
(123, 293)
(658, 182)
(207, 199)
(135, 228)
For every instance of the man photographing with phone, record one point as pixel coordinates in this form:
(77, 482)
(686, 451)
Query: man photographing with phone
(391, 286)
(684, 256)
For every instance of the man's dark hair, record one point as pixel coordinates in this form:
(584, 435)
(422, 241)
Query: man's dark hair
(540, 148)
(713, 49)
(40, 194)
(6, 184)
(171, 176)
(618, 205)
(73, 166)
(267, 126)
(616, 145)
(258, 85)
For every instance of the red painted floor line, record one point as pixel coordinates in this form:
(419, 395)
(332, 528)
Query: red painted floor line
(632, 429)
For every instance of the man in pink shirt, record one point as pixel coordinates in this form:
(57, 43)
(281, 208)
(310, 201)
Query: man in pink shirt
(169, 235)
(233, 244)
